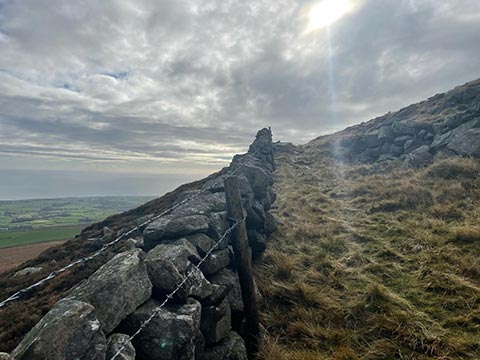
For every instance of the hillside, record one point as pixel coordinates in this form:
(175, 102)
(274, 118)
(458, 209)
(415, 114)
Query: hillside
(378, 247)
(376, 255)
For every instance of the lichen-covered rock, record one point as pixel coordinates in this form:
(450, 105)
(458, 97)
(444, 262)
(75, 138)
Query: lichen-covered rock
(169, 264)
(173, 334)
(115, 342)
(230, 348)
(5, 356)
(70, 330)
(202, 242)
(419, 158)
(203, 204)
(217, 261)
(28, 271)
(116, 289)
(216, 322)
(170, 227)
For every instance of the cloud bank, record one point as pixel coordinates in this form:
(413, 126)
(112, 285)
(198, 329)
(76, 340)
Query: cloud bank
(137, 84)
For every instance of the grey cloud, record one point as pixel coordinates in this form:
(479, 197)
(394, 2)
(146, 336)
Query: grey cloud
(193, 81)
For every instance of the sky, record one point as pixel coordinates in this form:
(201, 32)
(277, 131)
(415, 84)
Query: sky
(135, 97)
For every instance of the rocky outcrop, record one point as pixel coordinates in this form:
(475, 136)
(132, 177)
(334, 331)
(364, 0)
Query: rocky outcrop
(446, 124)
(97, 317)
(70, 330)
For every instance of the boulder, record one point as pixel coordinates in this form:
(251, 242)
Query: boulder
(386, 133)
(217, 261)
(259, 179)
(5, 356)
(215, 322)
(28, 271)
(173, 334)
(202, 242)
(169, 264)
(420, 157)
(230, 280)
(170, 227)
(465, 142)
(230, 348)
(116, 289)
(70, 330)
(115, 342)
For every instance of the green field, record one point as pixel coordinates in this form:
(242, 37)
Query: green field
(18, 238)
(25, 222)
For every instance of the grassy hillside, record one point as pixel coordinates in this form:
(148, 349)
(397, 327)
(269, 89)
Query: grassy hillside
(19, 238)
(373, 262)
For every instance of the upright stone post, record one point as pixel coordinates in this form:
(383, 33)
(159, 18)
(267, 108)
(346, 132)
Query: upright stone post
(243, 260)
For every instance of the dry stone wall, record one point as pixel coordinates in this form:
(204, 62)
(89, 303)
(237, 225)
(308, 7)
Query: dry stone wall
(204, 319)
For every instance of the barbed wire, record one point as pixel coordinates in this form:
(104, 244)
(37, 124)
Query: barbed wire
(120, 237)
(179, 286)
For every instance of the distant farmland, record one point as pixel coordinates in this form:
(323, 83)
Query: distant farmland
(26, 222)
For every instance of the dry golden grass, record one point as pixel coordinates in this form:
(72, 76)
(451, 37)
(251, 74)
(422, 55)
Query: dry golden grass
(373, 263)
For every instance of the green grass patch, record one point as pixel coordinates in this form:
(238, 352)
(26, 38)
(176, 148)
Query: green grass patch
(19, 238)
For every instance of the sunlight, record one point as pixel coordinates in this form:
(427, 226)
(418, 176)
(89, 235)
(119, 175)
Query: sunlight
(326, 12)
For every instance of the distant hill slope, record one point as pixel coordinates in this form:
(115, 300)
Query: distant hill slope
(446, 123)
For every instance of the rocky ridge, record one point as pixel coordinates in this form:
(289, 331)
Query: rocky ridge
(204, 319)
(445, 124)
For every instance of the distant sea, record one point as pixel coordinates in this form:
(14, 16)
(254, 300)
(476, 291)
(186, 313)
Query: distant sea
(26, 184)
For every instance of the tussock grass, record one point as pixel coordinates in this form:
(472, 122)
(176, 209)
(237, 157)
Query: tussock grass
(373, 263)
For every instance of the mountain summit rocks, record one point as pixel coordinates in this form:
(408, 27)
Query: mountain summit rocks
(203, 318)
(446, 124)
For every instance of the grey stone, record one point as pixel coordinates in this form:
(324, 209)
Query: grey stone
(116, 289)
(215, 322)
(466, 142)
(400, 141)
(203, 204)
(5, 356)
(230, 280)
(169, 264)
(173, 334)
(70, 330)
(217, 185)
(396, 150)
(385, 133)
(419, 157)
(202, 242)
(217, 261)
(258, 243)
(373, 153)
(217, 226)
(230, 348)
(169, 227)
(115, 342)
(259, 179)
(28, 271)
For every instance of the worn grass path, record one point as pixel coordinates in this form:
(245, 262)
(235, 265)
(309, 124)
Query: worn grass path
(373, 262)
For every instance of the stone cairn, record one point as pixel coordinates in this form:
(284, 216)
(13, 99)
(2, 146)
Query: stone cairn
(204, 318)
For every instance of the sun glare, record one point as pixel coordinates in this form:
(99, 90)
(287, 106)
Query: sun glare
(326, 12)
